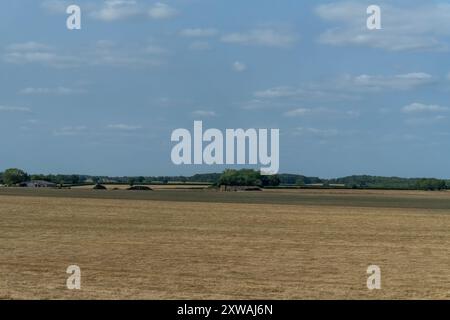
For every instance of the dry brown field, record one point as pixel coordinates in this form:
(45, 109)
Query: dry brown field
(211, 245)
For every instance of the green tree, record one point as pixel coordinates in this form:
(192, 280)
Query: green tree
(431, 184)
(14, 176)
(37, 177)
(270, 181)
(183, 179)
(247, 177)
(242, 177)
(75, 179)
(140, 180)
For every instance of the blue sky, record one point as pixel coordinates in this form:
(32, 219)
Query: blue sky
(104, 100)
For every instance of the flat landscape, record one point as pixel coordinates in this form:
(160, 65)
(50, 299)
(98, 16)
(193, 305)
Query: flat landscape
(203, 244)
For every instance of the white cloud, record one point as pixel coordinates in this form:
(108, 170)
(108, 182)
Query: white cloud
(106, 53)
(156, 50)
(421, 27)
(199, 46)
(103, 53)
(343, 88)
(70, 131)
(424, 114)
(278, 92)
(257, 104)
(33, 52)
(50, 91)
(430, 120)
(262, 37)
(378, 83)
(125, 127)
(47, 58)
(113, 10)
(204, 113)
(321, 133)
(14, 109)
(161, 11)
(420, 108)
(198, 32)
(289, 96)
(298, 112)
(28, 46)
(239, 66)
(55, 6)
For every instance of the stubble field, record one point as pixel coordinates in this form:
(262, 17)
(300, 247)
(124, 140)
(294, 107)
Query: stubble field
(200, 244)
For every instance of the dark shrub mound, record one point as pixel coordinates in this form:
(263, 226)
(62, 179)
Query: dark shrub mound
(99, 187)
(140, 188)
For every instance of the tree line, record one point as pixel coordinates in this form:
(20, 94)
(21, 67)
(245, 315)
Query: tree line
(244, 177)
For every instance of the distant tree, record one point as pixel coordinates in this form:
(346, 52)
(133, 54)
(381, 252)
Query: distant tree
(14, 176)
(75, 179)
(140, 180)
(183, 179)
(295, 179)
(50, 178)
(148, 180)
(38, 177)
(242, 177)
(431, 184)
(247, 177)
(270, 181)
(131, 181)
(206, 177)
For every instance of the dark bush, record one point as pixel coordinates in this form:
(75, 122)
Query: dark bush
(99, 187)
(140, 188)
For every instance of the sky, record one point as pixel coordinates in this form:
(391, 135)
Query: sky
(105, 99)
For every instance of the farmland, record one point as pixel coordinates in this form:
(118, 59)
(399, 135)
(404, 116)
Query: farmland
(203, 244)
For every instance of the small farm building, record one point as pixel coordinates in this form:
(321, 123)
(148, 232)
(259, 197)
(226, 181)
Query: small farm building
(38, 184)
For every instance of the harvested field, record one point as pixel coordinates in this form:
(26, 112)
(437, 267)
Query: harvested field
(191, 244)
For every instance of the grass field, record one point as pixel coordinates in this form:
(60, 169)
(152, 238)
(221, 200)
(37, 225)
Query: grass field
(198, 244)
